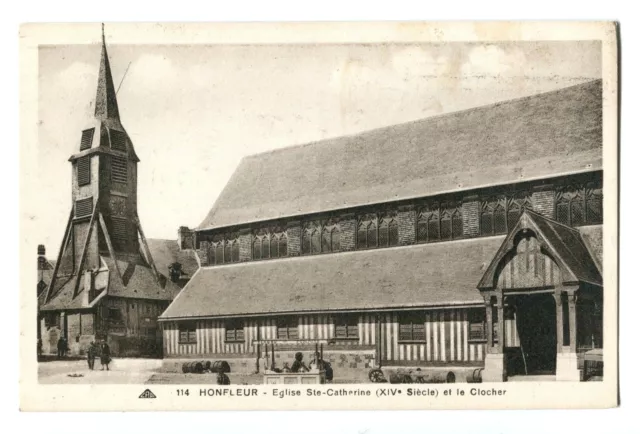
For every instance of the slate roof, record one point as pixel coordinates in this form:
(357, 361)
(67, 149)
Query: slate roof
(592, 236)
(571, 248)
(411, 276)
(544, 135)
(139, 278)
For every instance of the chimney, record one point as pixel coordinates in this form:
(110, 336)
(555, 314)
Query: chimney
(42, 260)
(185, 238)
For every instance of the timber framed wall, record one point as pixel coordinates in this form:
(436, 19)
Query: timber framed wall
(447, 338)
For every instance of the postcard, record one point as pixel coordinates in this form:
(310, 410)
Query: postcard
(319, 216)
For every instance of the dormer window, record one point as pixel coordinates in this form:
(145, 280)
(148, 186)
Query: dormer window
(118, 169)
(87, 139)
(118, 140)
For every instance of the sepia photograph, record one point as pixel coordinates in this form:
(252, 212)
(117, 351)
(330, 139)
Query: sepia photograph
(316, 216)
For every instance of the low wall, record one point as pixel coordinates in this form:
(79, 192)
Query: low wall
(347, 364)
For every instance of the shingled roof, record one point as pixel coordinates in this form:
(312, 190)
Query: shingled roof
(140, 280)
(549, 134)
(567, 245)
(411, 276)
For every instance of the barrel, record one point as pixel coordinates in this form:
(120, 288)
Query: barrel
(220, 366)
(440, 377)
(193, 367)
(475, 376)
(400, 378)
(185, 367)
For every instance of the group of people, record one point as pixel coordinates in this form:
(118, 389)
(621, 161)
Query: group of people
(103, 351)
(298, 365)
(94, 351)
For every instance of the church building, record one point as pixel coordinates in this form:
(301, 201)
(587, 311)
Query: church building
(462, 241)
(109, 282)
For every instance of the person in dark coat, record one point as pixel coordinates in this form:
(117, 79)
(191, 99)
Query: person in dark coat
(298, 365)
(39, 347)
(61, 347)
(105, 356)
(91, 355)
(223, 379)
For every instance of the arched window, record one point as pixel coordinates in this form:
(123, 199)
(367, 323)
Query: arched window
(273, 253)
(594, 204)
(570, 206)
(218, 249)
(282, 245)
(516, 205)
(257, 247)
(440, 222)
(493, 217)
(311, 238)
(227, 251)
(445, 225)
(265, 247)
(368, 232)
(330, 236)
(422, 227)
(235, 251)
(433, 225)
(578, 205)
(387, 230)
(269, 243)
(378, 230)
(500, 219)
(457, 228)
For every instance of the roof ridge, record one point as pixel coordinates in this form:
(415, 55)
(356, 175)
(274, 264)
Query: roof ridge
(429, 118)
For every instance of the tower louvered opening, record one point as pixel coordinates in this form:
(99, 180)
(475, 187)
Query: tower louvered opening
(84, 170)
(84, 207)
(120, 230)
(87, 139)
(118, 169)
(118, 140)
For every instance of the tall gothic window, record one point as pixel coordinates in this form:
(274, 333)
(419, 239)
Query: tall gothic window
(440, 222)
(368, 232)
(330, 236)
(387, 230)
(377, 230)
(579, 205)
(269, 243)
(320, 236)
(224, 249)
(311, 237)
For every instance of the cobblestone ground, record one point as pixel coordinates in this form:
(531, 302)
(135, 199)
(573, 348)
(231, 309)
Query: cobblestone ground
(121, 371)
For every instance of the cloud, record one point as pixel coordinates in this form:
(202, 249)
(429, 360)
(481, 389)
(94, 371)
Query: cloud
(492, 60)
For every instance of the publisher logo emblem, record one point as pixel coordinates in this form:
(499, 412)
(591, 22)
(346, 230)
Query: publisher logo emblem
(147, 394)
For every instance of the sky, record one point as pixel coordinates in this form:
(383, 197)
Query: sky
(193, 111)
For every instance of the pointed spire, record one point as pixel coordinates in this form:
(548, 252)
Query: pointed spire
(106, 103)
